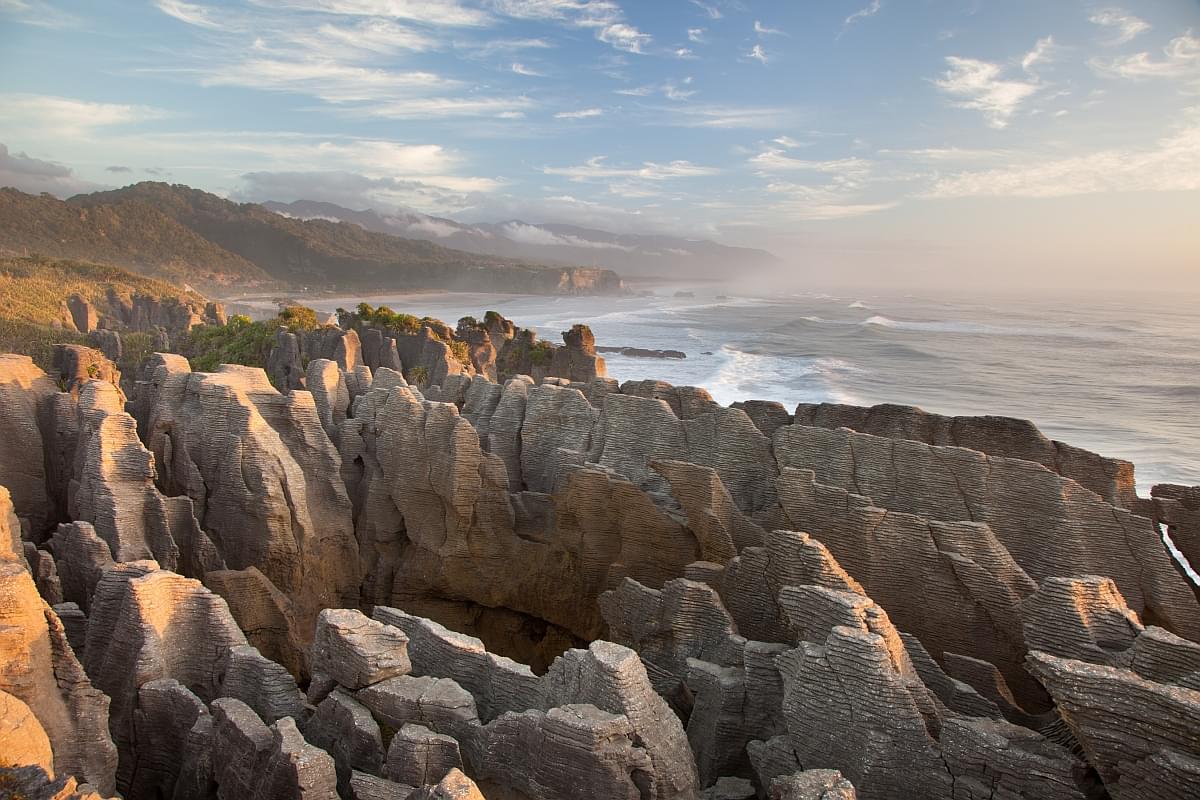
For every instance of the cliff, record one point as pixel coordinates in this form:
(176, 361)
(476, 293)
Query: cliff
(355, 584)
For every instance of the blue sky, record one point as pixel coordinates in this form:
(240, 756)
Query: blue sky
(929, 135)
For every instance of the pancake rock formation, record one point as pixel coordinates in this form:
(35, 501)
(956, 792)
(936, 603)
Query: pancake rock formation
(411, 561)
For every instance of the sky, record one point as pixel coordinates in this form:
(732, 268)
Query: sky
(1005, 144)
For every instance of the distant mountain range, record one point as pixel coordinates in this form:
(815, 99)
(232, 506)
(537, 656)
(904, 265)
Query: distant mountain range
(629, 254)
(182, 234)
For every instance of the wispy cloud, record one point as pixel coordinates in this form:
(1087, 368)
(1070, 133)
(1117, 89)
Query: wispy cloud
(624, 37)
(67, 115)
(597, 168)
(437, 13)
(1041, 53)
(1126, 27)
(584, 113)
(492, 47)
(1172, 164)
(1181, 59)
(978, 86)
(684, 53)
(605, 17)
(38, 13)
(858, 16)
(696, 35)
(763, 30)
(758, 54)
(191, 13)
(521, 69)
(775, 160)
(693, 115)
(710, 10)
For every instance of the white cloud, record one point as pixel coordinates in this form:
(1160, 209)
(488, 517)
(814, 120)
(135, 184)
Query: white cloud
(490, 48)
(624, 37)
(363, 40)
(1181, 59)
(331, 81)
(774, 160)
(1041, 53)
(1172, 164)
(434, 227)
(595, 168)
(66, 115)
(719, 116)
(1126, 27)
(979, 86)
(788, 142)
(191, 13)
(533, 234)
(684, 53)
(581, 114)
(447, 107)
(603, 16)
(521, 69)
(696, 35)
(758, 54)
(38, 13)
(449, 13)
(763, 30)
(709, 9)
(863, 13)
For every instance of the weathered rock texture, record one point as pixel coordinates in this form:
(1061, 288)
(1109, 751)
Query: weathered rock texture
(1111, 478)
(40, 670)
(767, 604)
(285, 510)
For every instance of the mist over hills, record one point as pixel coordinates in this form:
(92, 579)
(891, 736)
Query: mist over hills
(632, 255)
(178, 233)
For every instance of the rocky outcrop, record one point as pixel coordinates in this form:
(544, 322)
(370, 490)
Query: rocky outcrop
(1006, 437)
(26, 399)
(285, 509)
(113, 489)
(1050, 525)
(41, 671)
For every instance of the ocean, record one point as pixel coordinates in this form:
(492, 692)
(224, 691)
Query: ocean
(1119, 375)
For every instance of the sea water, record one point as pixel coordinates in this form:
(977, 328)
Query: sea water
(1119, 375)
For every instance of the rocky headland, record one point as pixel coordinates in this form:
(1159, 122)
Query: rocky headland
(405, 560)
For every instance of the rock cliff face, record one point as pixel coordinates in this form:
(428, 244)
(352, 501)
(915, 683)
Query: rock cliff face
(528, 587)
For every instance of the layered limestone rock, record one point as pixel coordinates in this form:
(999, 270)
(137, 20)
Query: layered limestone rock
(1049, 524)
(144, 626)
(41, 671)
(285, 509)
(1111, 478)
(113, 489)
(958, 565)
(25, 406)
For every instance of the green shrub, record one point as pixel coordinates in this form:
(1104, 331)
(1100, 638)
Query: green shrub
(135, 347)
(299, 318)
(540, 353)
(461, 351)
(36, 341)
(417, 375)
